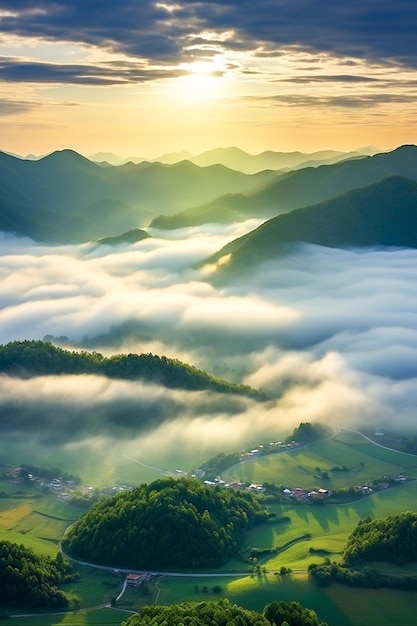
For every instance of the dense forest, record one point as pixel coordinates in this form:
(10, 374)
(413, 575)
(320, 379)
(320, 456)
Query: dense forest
(170, 523)
(222, 613)
(29, 580)
(41, 358)
(391, 540)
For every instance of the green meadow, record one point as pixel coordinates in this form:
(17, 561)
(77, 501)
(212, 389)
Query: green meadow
(348, 459)
(38, 520)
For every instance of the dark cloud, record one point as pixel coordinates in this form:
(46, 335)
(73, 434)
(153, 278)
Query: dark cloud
(152, 30)
(13, 70)
(359, 101)
(330, 78)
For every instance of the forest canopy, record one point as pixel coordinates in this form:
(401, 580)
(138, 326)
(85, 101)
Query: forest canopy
(392, 540)
(41, 358)
(170, 523)
(30, 580)
(222, 612)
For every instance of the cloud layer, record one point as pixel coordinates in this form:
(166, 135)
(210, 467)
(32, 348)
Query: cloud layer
(174, 32)
(330, 334)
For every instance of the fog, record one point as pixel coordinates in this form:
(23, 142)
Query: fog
(329, 334)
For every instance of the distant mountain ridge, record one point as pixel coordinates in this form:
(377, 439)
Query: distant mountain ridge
(238, 159)
(65, 198)
(382, 214)
(296, 189)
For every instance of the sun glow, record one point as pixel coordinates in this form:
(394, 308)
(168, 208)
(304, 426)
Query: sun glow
(202, 80)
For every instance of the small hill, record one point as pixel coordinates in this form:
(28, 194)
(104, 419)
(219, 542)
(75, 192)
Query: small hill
(170, 523)
(215, 613)
(390, 540)
(383, 214)
(132, 236)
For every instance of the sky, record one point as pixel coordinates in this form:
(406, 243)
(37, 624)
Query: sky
(143, 78)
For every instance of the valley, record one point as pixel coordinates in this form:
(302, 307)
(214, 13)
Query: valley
(151, 332)
(39, 518)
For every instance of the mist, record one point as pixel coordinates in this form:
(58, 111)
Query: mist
(329, 334)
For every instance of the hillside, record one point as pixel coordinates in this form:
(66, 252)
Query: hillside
(383, 214)
(172, 522)
(299, 188)
(64, 197)
(37, 358)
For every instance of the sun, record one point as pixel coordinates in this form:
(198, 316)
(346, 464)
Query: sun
(202, 80)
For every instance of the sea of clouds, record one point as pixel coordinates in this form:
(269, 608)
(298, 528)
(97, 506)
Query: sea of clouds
(329, 334)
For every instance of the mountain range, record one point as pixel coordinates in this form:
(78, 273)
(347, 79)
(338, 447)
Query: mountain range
(64, 197)
(292, 190)
(381, 214)
(237, 159)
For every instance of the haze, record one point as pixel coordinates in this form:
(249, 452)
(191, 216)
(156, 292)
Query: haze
(329, 333)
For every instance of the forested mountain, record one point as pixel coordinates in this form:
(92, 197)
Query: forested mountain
(41, 358)
(296, 189)
(224, 613)
(170, 523)
(64, 197)
(29, 580)
(383, 214)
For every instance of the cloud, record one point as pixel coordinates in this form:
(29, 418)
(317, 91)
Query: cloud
(99, 74)
(330, 334)
(186, 30)
(14, 107)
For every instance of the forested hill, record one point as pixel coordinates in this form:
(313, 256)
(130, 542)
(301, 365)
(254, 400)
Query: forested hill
(28, 358)
(30, 580)
(382, 214)
(391, 540)
(170, 523)
(224, 612)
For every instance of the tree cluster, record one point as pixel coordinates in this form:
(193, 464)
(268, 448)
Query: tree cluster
(172, 522)
(223, 612)
(216, 465)
(307, 432)
(366, 577)
(31, 581)
(392, 540)
(41, 358)
(292, 614)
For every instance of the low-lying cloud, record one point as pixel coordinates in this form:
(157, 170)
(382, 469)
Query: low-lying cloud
(329, 334)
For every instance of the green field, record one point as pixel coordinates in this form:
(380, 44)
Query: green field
(38, 519)
(348, 459)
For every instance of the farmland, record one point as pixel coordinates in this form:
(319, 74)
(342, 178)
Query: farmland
(38, 519)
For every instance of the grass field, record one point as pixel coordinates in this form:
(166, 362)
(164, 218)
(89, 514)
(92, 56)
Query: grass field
(38, 519)
(348, 460)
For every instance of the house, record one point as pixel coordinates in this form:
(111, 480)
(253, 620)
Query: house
(134, 579)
